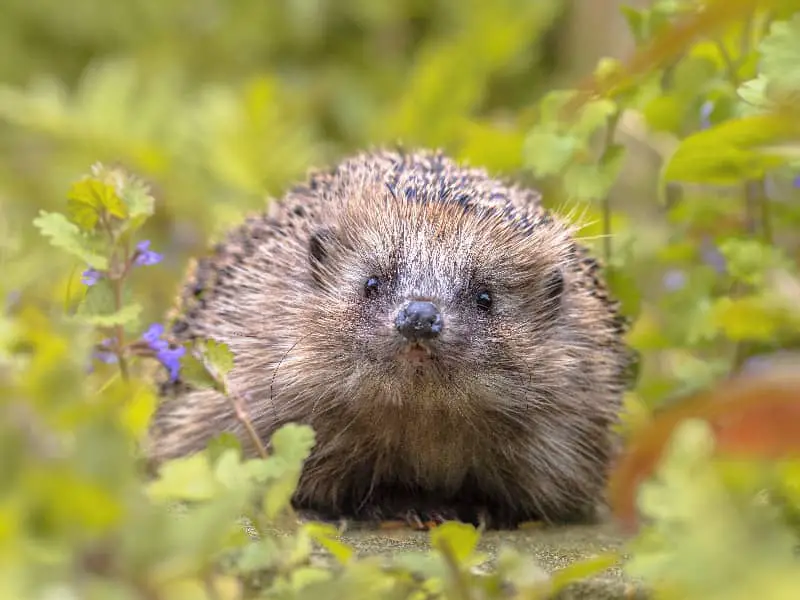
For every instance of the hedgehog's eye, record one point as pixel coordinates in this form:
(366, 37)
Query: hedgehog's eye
(483, 300)
(371, 287)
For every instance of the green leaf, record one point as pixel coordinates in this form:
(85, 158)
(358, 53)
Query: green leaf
(125, 316)
(67, 236)
(522, 571)
(593, 116)
(732, 151)
(291, 445)
(136, 196)
(259, 555)
(750, 260)
(753, 92)
(221, 443)
(552, 104)
(219, 356)
(548, 153)
(205, 527)
(582, 569)
(324, 534)
(636, 22)
(665, 113)
(747, 318)
(195, 373)
(692, 76)
(88, 198)
(229, 471)
(264, 470)
(139, 202)
(586, 181)
(421, 563)
(186, 478)
(98, 300)
(99, 307)
(780, 54)
(293, 442)
(305, 576)
(461, 539)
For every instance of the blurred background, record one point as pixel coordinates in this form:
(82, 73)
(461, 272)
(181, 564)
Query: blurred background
(221, 104)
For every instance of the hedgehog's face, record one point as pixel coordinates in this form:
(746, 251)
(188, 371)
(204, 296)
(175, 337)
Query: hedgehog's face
(433, 301)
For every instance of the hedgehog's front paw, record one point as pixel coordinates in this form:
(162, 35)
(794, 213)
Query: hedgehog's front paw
(418, 519)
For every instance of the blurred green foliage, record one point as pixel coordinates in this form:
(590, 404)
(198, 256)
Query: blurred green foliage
(215, 107)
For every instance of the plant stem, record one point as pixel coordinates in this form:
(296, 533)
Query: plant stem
(462, 588)
(766, 214)
(755, 204)
(116, 286)
(120, 332)
(244, 419)
(731, 66)
(611, 128)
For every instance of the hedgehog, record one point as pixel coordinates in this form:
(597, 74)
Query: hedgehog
(450, 341)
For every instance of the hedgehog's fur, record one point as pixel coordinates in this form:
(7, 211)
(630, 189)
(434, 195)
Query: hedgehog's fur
(511, 419)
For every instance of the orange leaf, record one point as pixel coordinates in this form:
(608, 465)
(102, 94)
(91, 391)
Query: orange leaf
(752, 417)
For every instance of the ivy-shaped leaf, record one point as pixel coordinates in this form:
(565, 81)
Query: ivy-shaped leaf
(186, 478)
(219, 356)
(67, 236)
(88, 198)
(195, 372)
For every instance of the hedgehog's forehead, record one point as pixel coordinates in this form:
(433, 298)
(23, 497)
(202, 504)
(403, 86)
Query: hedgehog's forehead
(427, 227)
(441, 211)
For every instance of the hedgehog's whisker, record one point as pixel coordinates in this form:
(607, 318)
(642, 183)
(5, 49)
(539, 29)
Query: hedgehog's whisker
(278, 366)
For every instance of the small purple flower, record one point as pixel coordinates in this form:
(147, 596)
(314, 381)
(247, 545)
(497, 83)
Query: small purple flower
(757, 364)
(705, 114)
(712, 256)
(152, 335)
(796, 182)
(169, 357)
(104, 354)
(146, 257)
(674, 280)
(90, 276)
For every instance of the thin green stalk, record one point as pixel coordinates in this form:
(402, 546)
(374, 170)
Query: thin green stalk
(116, 286)
(611, 129)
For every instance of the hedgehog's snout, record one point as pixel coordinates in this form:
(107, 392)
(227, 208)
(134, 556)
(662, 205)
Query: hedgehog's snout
(419, 320)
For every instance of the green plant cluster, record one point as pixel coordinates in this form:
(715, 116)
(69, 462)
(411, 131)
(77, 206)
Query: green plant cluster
(704, 257)
(699, 267)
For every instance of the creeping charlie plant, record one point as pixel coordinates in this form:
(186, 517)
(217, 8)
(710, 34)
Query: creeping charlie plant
(713, 290)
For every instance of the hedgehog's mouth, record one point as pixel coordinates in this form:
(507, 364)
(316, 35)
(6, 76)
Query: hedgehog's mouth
(416, 354)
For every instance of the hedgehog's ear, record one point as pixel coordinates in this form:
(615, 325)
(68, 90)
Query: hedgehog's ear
(319, 245)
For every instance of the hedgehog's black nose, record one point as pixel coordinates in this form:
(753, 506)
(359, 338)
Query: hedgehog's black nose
(419, 320)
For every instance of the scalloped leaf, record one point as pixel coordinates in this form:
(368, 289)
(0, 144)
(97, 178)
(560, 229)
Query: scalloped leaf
(67, 235)
(88, 198)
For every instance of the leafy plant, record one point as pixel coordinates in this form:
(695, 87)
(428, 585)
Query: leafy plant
(700, 244)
